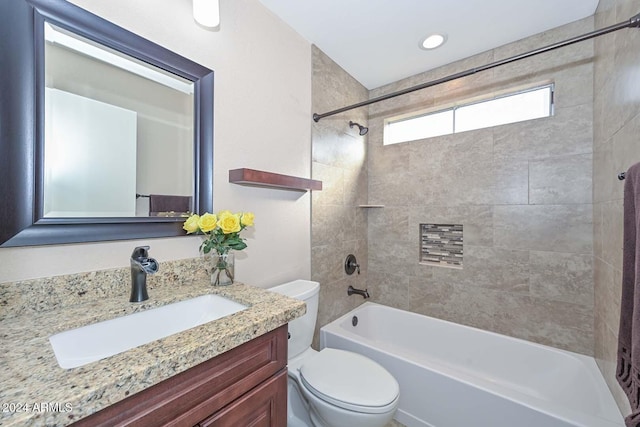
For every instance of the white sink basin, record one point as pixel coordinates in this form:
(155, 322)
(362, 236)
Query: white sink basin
(77, 347)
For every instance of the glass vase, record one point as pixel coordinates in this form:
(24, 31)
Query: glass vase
(222, 268)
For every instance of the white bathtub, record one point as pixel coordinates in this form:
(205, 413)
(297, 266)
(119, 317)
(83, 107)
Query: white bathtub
(456, 376)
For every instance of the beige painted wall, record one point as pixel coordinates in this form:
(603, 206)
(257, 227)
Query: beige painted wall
(522, 192)
(262, 120)
(616, 126)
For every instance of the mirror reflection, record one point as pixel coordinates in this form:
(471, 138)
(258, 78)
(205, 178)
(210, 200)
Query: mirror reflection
(119, 133)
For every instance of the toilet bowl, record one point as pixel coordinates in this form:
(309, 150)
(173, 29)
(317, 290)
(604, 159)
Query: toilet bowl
(331, 387)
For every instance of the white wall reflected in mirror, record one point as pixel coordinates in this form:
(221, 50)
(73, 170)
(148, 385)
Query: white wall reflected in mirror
(155, 156)
(84, 140)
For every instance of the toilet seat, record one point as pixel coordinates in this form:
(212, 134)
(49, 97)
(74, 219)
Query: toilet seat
(350, 381)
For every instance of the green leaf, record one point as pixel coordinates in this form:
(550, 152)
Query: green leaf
(238, 246)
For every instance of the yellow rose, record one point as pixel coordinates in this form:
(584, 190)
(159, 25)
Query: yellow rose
(191, 224)
(247, 219)
(207, 222)
(229, 223)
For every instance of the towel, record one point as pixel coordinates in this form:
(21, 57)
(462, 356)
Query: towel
(159, 203)
(628, 369)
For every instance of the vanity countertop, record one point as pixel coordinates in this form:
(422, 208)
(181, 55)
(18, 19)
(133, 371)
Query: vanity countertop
(36, 391)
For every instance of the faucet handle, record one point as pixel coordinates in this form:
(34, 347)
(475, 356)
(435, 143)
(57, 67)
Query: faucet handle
(149, 265)
(351, 264)
(140, 252)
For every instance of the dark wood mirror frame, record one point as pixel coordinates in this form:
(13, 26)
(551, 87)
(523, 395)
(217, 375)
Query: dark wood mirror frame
(22, 126)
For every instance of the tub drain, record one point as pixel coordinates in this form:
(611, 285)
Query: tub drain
(354, 320)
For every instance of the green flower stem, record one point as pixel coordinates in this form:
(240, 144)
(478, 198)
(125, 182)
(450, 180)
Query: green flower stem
(227, 272)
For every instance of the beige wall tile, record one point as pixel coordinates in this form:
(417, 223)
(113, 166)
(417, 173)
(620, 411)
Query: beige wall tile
(489, 267)
(388, 286)
(340, 149)
(511, 181)
(606, 296)
(560, 180)
(573, 84)
(327, 264)
(332, 184)
(332, 223)
(561, 228)
(562, 276)
(333, 303)
(612, 221)
(548, 37)
(597, 230)
(605, 179)
(556, 323)
(624, 153)
(400, 188)
(386, 159)
(338, 225)
(568, 132)
(615, 124)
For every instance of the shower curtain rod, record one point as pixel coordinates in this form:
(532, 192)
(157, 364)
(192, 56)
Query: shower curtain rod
(633, 22)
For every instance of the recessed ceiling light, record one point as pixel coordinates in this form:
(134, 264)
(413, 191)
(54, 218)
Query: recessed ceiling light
(432, 41)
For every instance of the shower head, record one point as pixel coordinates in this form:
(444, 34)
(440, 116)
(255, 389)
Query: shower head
(363, 130)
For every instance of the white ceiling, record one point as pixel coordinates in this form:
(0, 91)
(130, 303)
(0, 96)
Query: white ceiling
(376, 41)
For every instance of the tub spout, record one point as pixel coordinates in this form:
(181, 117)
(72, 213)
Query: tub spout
(351, 290)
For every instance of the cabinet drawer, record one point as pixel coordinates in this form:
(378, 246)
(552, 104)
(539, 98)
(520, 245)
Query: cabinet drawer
(264, 406)
(193, 395)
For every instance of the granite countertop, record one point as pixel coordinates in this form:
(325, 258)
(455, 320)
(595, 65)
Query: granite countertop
(35, 390)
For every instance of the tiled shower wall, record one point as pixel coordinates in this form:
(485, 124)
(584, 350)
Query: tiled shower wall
(522, 192)
(338, 225)
(616, 146)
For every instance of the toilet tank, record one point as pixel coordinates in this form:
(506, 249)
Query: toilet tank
(301, 329)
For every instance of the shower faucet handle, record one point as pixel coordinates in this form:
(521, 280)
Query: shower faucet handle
(351, 264)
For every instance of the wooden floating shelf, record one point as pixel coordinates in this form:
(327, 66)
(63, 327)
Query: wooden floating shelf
(258, 178)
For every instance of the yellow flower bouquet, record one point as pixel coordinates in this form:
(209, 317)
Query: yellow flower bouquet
(221, 233)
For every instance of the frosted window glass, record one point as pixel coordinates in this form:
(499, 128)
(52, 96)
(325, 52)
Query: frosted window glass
(509, 109)
(421, 127)
(517, 107)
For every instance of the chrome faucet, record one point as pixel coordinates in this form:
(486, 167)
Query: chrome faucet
(141, 265)
(351, 290)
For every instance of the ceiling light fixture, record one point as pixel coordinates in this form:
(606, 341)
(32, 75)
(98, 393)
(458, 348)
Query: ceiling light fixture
(433, 41)
(206, 13)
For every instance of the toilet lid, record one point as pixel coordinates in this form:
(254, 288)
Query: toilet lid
(350, 381)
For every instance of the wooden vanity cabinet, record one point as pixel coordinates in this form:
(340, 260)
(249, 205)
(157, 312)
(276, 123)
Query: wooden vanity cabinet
(245, 386)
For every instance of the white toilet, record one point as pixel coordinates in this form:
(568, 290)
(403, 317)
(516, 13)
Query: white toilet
(332, 388)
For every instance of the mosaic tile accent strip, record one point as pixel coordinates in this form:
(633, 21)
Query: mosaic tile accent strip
(441, 245)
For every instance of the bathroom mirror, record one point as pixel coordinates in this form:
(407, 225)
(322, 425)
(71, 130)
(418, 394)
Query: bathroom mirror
(105, 135)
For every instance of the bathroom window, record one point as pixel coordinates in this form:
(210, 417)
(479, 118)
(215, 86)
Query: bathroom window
(441, 245)
(512, 107)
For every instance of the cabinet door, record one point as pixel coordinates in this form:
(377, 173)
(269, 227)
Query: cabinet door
(264, 406)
